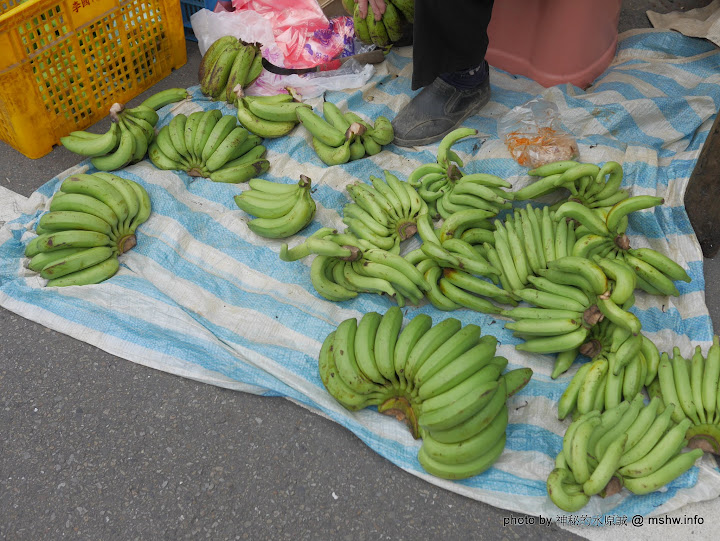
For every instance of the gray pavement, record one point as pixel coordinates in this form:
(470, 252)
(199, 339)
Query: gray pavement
(95, 447)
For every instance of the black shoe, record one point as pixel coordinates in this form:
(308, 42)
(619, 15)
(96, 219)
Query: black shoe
(436, 111)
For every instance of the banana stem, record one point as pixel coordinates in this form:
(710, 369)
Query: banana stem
(126, 243)
(591, 348)
(592, 316)
(115, 110)
(453, 172)
(355, 253)
(406, 230)
(401, 407)
(622, 242)
(305, 181)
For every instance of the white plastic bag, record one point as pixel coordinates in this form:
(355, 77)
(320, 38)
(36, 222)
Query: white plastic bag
(310, 85)
(248, 26)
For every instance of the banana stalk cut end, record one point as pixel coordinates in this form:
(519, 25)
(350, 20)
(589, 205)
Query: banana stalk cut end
(354, 130)
(613, 487)
(406, 230)
(355, 253)
(305, 181)
(126, 243)
(591, 348)
(705, 437)
(294, 93)
(401, 408)
(115, 110)
(453, 172)
(592, 316)
(622, 241)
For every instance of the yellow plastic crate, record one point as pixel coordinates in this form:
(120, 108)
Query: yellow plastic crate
(63, 63)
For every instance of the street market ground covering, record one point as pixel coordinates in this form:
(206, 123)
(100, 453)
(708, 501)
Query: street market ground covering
(202, 297)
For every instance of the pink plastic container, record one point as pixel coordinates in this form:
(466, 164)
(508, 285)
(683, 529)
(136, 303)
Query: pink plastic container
(554, 41)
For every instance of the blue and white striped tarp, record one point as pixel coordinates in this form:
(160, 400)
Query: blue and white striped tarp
(203, 297)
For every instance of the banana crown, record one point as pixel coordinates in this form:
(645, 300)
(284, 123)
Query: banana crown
(211, 145)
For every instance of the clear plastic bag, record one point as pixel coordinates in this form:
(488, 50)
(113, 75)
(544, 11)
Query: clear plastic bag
(248, 26)
(533, 134)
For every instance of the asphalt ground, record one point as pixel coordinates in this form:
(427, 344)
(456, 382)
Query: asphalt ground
(94, 447)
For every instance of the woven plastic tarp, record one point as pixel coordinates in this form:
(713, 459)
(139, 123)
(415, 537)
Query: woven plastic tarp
(203, 297)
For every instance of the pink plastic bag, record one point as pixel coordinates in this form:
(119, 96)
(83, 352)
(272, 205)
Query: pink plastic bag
(296, 24)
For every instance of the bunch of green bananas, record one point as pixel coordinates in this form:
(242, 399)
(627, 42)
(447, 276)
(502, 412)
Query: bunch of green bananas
(621, 365)
(347, 265)
(443, 380)
(339, 138)
(451, 288)
(209, 144)
(630, 445)
(131, 132)
(691, 386)
(446, 189)
(268, 116)
(453, 257)
(280, 210)
(391, 26)
(229, 62)
(384, 214)
(92, 220)
(615, 302)
(588, 184)
(527, 242)
(602, 232)
(530, 239)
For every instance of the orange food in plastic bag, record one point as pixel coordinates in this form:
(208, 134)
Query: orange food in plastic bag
(546, 146)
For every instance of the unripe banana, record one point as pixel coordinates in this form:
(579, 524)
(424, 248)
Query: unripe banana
(77, 261)
(240, 70)
(231, 147)
(320, 128)
(121, 156)
(332, 155)
(276, 112)
(94, 186)
(297, 219)
(382, 132)
(264, 128)
(90, 275)
(215, 81)
(98, 146)
(165, 97)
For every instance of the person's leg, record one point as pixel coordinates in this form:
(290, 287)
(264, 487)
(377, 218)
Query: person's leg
(449, 45)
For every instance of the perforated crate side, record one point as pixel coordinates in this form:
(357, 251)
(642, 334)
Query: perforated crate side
(68, 76)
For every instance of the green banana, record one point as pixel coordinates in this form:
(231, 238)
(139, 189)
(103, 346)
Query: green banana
(90, 275)
(264, 128)
(121, 156)
(98, 146)
(319, 128)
